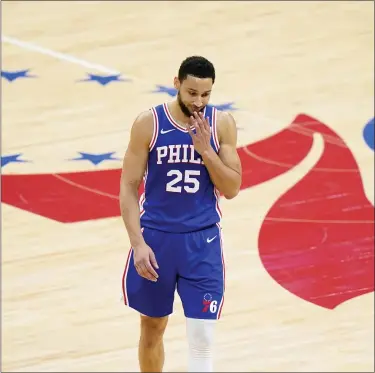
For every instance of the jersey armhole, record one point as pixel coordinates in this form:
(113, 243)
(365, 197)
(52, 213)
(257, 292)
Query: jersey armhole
(214, 129)
(156, 128)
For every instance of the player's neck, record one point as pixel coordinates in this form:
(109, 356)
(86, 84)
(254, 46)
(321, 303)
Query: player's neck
(177, 113)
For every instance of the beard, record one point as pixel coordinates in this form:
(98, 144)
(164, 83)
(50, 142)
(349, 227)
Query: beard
(184, 108)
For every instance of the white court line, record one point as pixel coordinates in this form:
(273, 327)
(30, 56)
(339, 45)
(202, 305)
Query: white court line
(58, 55)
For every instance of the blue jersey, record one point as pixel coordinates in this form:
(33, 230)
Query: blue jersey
(179, 195)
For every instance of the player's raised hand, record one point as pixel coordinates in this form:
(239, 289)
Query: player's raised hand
(145, 262)
(202, 136)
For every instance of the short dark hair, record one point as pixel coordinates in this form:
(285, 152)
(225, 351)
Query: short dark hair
(197, 66)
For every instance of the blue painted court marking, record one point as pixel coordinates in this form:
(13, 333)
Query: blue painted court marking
(96, 158)
(14, 158)
(368, 133)
(171, 91)
(11, 76)
(104, 79)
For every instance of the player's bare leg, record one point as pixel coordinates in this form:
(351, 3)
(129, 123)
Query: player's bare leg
(151, 346)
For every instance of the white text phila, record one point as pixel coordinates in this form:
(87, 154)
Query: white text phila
(177, 154)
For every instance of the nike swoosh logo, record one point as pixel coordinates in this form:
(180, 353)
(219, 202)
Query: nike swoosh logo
(210, 239)
(166, 131)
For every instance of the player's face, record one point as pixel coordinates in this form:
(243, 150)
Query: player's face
(193, 94)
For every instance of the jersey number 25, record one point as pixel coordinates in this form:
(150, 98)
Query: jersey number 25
(190, 182)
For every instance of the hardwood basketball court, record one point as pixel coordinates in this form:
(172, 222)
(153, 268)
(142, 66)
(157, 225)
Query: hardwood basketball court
(299, 79)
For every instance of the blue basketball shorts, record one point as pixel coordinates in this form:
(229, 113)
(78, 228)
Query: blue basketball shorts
(190, 263)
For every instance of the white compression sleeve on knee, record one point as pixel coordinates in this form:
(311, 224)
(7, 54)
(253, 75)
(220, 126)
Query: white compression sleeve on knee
(200, 335)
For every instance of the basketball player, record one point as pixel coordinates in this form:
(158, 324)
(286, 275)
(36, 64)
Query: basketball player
(185, 151)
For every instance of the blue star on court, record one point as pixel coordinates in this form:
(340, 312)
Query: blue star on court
(171, 91)
(11, 159)
(228, 106)
(95, 158)
(104, 79)
(11, 76)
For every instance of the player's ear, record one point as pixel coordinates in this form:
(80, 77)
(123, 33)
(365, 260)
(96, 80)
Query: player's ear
(177, 83)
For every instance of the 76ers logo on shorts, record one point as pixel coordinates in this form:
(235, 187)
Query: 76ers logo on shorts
(209, 304)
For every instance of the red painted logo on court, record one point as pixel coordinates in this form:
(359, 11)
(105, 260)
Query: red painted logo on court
(317, 240)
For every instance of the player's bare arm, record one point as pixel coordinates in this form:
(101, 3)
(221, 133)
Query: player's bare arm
(224, 168)
(133, 169)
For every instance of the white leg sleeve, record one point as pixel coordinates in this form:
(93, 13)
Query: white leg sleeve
(200, 335)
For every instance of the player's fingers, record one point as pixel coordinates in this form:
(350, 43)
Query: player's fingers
(151, 272)
(140, 268)
(205, 127)
(205, 124)
(192, 122)
(199, 119)
(147, 270)
(198, 130)
(206, 130)
(144, 272)
(153, 260)
(198, 127)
